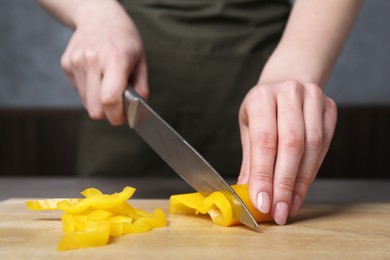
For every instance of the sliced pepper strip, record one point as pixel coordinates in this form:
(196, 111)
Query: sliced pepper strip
(116, 225)
(97, 234)
(155, 220)
(68, 223)
(125, 209)
(47, 204)
(91, 192)
(101, 214)
(123, 225)
(219, 209)
(216, 205)
(91, 221)
(103, 201)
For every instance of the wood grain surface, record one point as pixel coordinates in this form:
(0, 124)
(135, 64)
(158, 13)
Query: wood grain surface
(320, 231)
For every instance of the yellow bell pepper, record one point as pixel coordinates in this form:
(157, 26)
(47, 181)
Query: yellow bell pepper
(91, 221)
(90, 192)
(96, 234)
(49, 204)
(97, 201)
(216, 205)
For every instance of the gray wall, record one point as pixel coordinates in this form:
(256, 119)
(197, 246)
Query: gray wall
(362, 73)
(31, 44)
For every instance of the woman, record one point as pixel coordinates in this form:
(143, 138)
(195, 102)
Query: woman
(202, 63)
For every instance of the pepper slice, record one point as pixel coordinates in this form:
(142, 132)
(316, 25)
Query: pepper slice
(97, 234)
(97, 201)
(48, 204)
(90, 222)
(216, 205)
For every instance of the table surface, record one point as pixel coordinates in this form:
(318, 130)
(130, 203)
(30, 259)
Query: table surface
(322, 190)
(340, 220)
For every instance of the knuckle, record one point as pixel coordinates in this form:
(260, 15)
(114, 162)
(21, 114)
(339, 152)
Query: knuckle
(75, 59)
(293, 140)
(255, 93)
(286, 184)
(293, 85)
(304, 180)
(115, 54)
(109, 100)
(119, 53)
(263, 177)
(258, 92)
(90, 56)
(314, 140)
(65, 63)
(265, 141)
(315, 90)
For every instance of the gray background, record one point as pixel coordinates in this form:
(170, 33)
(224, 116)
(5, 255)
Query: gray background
(31, 44)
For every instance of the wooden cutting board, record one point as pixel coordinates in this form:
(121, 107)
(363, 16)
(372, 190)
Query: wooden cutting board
(323, 231)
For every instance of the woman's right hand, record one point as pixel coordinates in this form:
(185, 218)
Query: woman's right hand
(104, 54)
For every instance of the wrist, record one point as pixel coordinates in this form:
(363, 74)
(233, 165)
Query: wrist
(87, 11)
(285, 69)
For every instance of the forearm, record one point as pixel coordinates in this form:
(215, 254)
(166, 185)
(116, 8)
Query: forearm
(312, 41)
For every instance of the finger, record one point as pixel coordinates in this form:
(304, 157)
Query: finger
(73, 64)
(263, 143)
(114, 82)
(67, 65)
(330, 120)
(79, 74)
(313, 110)
(93, 85)
(139, 79)
(290, 148)
(243, 178)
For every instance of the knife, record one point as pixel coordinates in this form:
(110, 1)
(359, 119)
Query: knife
(180, 155)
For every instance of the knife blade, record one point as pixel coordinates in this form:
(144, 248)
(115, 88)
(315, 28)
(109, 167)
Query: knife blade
(180, 155)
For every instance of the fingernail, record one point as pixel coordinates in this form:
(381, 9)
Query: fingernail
(296, 204)
(263, 203)
(281, 212)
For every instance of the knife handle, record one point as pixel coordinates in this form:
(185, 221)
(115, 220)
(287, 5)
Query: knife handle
(131, 100)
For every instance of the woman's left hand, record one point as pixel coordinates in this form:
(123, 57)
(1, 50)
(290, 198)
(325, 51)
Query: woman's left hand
(286, 129)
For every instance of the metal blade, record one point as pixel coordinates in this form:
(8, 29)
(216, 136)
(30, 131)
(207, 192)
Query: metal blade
(179, 154)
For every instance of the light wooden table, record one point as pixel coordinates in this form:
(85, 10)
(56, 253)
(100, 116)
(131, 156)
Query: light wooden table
(336, 225)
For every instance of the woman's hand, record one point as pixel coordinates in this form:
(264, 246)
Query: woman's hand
(286, 129)
(286, 121)
(104, 53)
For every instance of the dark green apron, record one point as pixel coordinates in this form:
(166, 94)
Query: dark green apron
(203, 56)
